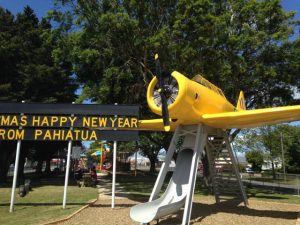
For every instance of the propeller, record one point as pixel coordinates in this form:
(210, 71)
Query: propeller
(164, 92)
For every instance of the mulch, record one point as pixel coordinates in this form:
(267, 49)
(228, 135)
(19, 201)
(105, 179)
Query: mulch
(204, 212)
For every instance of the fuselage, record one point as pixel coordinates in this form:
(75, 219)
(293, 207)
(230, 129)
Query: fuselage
(194, 99)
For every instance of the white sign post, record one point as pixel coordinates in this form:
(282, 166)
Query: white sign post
(114, 173)
(67, 174)
(67, 170)
(12, 199)
(114, 176)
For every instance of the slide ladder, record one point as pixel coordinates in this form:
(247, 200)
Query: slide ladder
(225, 176)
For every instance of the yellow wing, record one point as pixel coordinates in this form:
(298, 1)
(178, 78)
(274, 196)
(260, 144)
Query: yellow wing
(252, 118)
(239, 119)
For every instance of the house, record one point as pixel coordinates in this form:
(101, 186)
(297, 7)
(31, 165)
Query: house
(267, 165)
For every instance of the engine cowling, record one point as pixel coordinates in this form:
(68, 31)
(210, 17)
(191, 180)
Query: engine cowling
(188, 99)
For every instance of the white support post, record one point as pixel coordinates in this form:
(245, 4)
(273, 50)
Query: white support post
(12, 199)
(199, 146)
(67, 174)
(113, 188)
(114, 176)
(165, 166)
(67, 169)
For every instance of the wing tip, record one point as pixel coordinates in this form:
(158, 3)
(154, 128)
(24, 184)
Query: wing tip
(167, 128)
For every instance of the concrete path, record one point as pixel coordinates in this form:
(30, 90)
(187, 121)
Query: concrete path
(105, 188)
(283, 188)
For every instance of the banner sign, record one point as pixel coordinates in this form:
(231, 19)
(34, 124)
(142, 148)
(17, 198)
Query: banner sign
(67, 135)
(68, 121)
(63, 122)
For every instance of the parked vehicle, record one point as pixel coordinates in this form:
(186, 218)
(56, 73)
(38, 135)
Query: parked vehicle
(249, 170)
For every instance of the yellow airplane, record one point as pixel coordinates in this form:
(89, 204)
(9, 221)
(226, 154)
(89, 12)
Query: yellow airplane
(180, 100)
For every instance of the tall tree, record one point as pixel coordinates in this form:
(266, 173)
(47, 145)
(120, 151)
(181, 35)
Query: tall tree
(268, 141)
(28, 69)
(151, 144)
(256, 159)
(112, 44)
(287, 142)
(248, 42)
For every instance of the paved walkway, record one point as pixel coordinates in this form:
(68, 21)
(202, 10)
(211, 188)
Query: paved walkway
(283, 188)
(105, 188)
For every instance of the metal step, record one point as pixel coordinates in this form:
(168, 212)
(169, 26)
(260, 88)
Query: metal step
(224, 172)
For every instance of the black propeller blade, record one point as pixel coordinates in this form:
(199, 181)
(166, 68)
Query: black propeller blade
(163, 92)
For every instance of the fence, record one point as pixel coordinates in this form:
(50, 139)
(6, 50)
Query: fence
(283, 183)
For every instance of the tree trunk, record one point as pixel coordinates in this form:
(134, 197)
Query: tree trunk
(273, 169)
(39, 166)
(48, 167)
(152, 165)
(206, 170)
(21, 175)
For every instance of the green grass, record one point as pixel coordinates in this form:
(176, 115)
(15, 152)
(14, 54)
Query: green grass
(141, 186)
(43, 203)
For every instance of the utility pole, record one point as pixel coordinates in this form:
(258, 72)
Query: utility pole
(283, 163)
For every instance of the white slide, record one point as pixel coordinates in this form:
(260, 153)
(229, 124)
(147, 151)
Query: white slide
(173, 198)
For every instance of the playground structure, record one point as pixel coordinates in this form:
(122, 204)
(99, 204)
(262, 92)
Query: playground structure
(199, 113)
(198, 141)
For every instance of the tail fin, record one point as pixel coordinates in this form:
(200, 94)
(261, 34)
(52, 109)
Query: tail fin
(241, 104)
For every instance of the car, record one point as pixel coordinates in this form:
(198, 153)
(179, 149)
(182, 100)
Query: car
(249, 170)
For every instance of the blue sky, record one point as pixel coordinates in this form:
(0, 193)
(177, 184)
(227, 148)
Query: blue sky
(42, 6)
(39, 6)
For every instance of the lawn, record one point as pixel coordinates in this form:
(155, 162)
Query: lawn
(43, 203)
(141, 186)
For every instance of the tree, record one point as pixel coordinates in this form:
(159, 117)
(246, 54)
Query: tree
(261, 139)
(290, 146)
(247, 42)
(28, 69)
(151, 144)
(41, 151)
(256, 159)
(268, 140)
(112, 43)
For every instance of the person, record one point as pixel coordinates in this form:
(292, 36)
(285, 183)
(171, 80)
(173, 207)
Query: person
(78, 175)
(94, 175)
